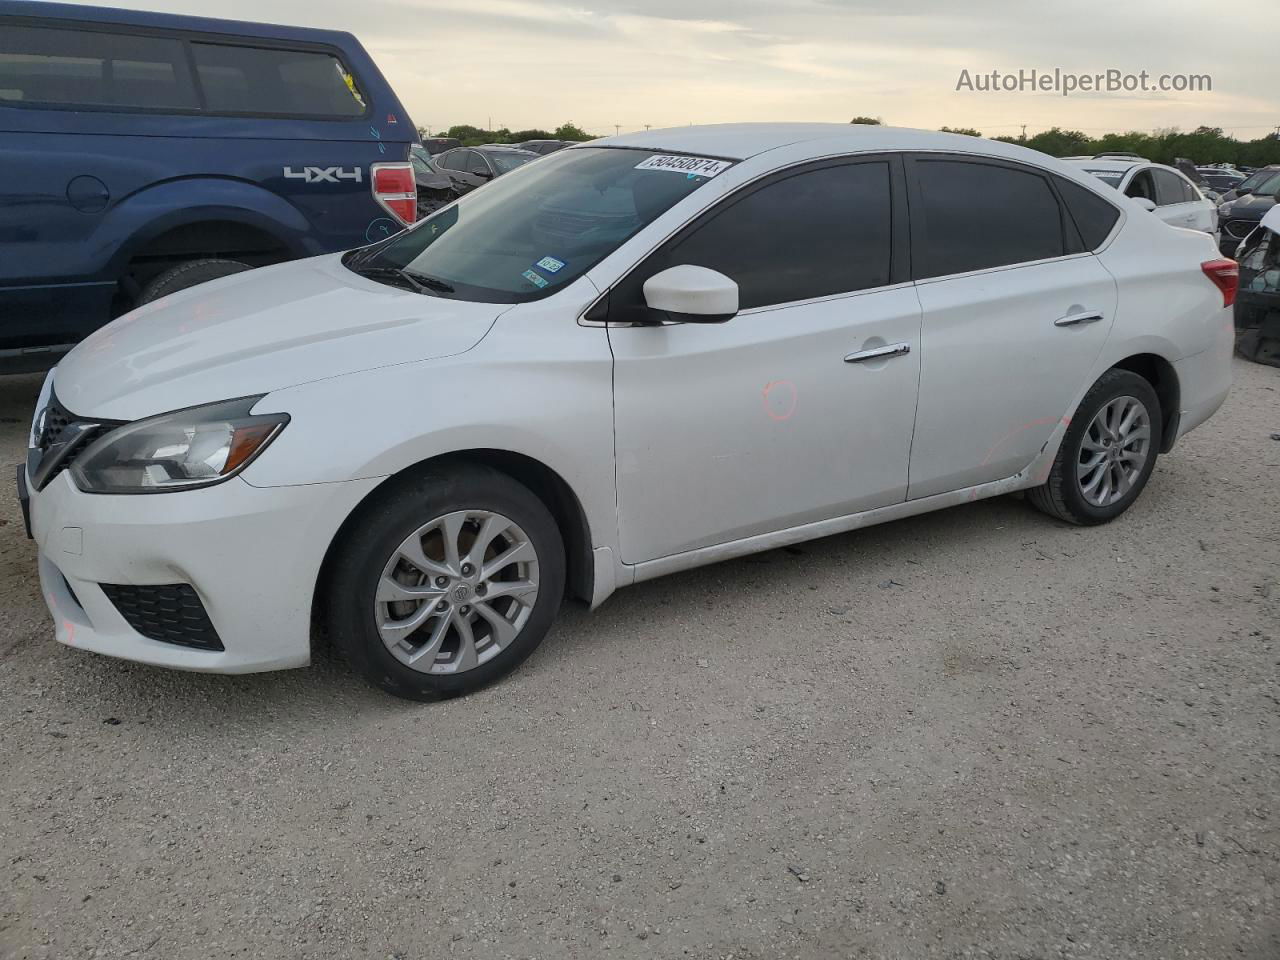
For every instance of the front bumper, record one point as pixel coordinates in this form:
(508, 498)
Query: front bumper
(252, 554)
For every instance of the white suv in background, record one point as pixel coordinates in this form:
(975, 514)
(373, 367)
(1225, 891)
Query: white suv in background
(1164, 191)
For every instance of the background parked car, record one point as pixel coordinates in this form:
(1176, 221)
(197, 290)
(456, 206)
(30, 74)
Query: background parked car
(1254, 179)
(1219, 179)
(435, 189)
(1240, 217)
(438, 145)
(471, 167)
(1257, 308)
(144, 153)
(543, 147)
(1165, 191)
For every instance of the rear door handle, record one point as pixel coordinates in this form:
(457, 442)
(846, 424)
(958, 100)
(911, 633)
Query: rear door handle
(1072, 319)
(879, 353)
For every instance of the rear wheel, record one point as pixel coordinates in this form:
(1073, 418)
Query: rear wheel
(1107, 454)
(447, 583)
(188, 274)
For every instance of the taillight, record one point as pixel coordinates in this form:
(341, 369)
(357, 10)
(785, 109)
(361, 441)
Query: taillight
(396, 190)
(1225, 275)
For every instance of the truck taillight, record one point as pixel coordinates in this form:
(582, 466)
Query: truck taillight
(396, 190)
(1225, 275)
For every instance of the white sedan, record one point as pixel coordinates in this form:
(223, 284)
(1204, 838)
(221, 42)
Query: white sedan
(1164, 191)
(633, 357)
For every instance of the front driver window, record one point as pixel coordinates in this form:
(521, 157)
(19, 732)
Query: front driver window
(812, 234)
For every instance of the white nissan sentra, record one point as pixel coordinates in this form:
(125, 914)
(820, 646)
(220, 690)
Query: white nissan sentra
(630, 358)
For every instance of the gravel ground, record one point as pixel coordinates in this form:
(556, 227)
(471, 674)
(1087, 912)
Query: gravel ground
(978, 733)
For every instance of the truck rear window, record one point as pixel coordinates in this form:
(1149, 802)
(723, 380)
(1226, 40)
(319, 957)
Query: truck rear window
(88, 68)
(240, 79)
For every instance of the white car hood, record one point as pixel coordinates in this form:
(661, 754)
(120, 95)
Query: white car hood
(259, 331)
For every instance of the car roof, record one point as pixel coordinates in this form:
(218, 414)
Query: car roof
(740, 141)
(1116, 166)
(498, 148)
(172, 21)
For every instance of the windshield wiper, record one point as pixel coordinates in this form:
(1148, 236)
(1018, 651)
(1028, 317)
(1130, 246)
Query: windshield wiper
(431, 283)
(419, 283)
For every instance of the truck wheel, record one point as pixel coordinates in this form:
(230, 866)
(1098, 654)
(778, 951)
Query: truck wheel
(186, 275)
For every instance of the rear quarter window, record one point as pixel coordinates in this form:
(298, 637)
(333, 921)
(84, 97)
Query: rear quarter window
(1093, 216)
(262, 80)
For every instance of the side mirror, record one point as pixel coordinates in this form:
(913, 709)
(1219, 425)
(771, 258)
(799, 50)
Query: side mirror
(482, 174)
(1145, 204)
(692, 294)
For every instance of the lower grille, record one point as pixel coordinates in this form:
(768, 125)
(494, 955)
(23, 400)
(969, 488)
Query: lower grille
(169, 612)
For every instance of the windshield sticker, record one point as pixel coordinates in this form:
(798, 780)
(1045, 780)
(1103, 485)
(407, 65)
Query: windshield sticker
(694, 166)
(550, 264)
(535, 279)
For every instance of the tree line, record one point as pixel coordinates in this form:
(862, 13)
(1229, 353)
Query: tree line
(1201, 145)
(475, 136)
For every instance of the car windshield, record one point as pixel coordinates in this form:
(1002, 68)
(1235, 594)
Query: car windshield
(1252, 181)
(523, 236)
(1269, 187)
(1111, 178)
(506, 162)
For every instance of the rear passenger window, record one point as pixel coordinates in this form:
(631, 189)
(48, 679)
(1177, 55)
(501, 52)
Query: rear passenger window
(258, 80)
(1094, 217)
(972, 216)
(88, 68)
(810, 235)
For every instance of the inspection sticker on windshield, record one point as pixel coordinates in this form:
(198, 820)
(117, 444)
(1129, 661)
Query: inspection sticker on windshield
(535, 279)
(694, 166)
(550, 264)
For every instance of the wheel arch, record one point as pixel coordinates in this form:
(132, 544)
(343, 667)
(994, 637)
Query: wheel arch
(545, 483)
(1162, 376)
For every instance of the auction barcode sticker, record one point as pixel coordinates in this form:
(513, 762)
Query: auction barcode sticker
(695, 166)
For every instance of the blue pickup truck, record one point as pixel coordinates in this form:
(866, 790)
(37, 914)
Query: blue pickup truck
(144, 152)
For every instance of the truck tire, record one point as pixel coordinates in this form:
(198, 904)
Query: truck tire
(186, 275)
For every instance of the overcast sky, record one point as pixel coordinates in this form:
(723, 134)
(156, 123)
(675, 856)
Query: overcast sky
(597, 63)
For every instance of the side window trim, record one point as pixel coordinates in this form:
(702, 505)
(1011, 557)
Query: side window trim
(186, 38)
(899, 268)
(915, 200)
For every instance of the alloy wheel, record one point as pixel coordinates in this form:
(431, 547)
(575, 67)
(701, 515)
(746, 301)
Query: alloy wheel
(456, 592)
(1114, 451)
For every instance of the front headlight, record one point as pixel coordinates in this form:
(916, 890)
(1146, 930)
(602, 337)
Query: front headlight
(188, 448)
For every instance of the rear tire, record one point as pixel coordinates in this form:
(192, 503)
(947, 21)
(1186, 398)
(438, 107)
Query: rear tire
(188, 274)
(1104, 462)
(450, 621)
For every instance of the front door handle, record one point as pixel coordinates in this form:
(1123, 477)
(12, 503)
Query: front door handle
(879, 353)
(1071, 319)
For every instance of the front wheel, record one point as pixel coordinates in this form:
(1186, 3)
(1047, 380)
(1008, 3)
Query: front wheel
(447, 582)
(1107, 453)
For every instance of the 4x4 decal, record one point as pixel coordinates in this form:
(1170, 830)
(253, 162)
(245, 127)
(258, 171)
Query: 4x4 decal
(323, 174)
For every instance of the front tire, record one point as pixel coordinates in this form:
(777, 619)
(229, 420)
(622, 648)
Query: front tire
(189, 274)
(1107, 453)
(446, 582)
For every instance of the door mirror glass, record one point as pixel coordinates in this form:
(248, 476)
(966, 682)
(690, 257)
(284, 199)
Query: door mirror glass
(1145, 203)
(692, 294)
